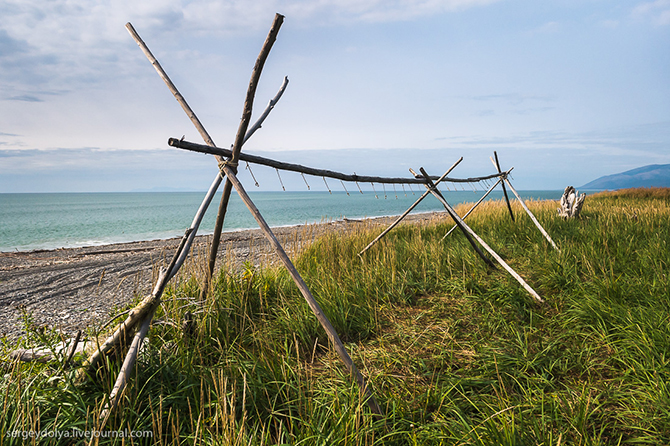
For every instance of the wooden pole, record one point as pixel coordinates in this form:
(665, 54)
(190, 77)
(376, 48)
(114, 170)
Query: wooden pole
(127, 367)
(189, 112)
(237, 145)
(137, 315)
(509, 206)
(304, 290)
(532, 217)
(487, 247)
(203, 132)
(186, 145)
(432, 189)
(399, 219)
(474, 207)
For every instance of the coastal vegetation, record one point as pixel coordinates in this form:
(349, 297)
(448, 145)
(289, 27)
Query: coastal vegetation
(455, 352)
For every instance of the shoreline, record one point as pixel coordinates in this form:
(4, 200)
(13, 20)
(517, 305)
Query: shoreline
(70, 289)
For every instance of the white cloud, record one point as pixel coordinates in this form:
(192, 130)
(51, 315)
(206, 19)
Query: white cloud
(61, 44)
(658, 12)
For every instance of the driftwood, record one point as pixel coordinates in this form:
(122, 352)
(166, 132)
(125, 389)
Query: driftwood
(304, 290)
(237, 145)
(462, 224)
(416, 203)
(354, 178)
(44, 354)
(571, 203)
(134, 318)
(127, 366)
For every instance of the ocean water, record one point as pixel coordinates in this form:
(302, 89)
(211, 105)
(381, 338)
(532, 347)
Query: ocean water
(55, 220)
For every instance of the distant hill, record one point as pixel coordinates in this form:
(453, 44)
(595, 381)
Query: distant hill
(654, 175)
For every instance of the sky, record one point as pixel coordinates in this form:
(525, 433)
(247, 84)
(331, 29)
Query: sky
(565, 91)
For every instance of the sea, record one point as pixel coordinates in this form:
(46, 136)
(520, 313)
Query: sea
(37, 221)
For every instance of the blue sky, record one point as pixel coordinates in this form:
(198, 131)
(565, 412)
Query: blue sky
(565, 91)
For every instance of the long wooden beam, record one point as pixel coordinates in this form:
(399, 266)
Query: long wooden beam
(304, 290)
(513, 273)
(254, 159)
(233, 159)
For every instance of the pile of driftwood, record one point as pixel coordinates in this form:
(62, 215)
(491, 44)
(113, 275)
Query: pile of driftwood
(127, 338)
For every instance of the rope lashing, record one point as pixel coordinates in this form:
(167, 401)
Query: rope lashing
(228, 163)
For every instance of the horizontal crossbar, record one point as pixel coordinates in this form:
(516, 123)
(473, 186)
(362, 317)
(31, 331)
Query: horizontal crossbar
(201, 148)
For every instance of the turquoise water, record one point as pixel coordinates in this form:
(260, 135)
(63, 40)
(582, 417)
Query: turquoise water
(49, 221)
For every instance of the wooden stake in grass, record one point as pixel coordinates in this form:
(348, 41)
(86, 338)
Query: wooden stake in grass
(465, 227)
(530, 214)
(400, 218)
(304, 290)
(509, 206)
(532, 217)
(433, 190)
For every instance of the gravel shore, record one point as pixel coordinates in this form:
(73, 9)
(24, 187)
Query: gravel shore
(73, 288)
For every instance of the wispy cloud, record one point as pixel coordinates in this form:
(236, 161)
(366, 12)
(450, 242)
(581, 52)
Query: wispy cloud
(25, 98)
(658, 12)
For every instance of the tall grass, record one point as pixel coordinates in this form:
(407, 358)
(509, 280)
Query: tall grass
(456, 353)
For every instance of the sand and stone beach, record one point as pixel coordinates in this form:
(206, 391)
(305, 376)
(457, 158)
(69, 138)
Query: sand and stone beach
(73, 288)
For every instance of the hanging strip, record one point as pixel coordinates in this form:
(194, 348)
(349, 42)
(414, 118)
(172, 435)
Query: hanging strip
(373, 189)
(384, 187)
(345, 187)
(252, 175)
(329, 191)
(396, 193)
(403, 189)
(303, 177)
(280, 181)
(410, 188)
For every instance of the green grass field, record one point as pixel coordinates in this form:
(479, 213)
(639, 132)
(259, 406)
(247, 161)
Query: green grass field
(455, 352)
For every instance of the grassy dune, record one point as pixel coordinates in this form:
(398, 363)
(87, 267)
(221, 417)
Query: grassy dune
(456, 353)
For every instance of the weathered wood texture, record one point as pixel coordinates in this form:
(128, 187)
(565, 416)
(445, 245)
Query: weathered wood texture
(304, 290)
(513, 273)
(237, 145)
(571, 203)
(194, 147)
